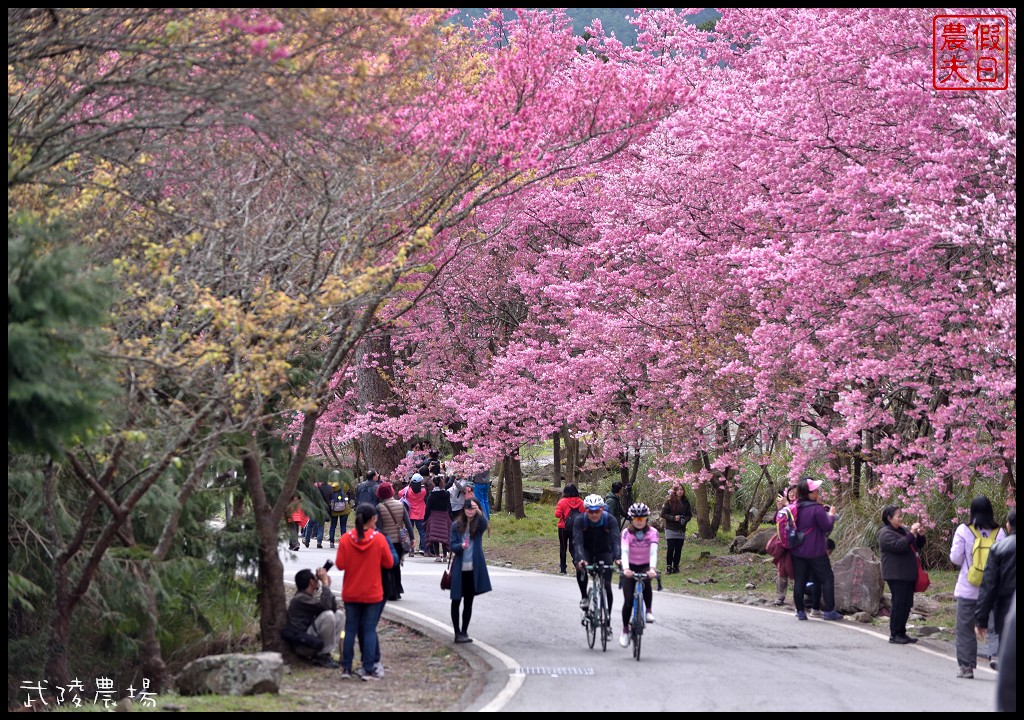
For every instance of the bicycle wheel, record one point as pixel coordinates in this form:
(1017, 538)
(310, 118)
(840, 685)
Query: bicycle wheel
(636, 628)
(590, 624)
(604, 623)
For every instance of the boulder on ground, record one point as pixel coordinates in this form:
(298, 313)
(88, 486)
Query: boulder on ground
(859, 582)
(232, 674)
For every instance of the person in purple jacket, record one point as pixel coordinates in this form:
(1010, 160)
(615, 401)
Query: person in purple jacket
(810, 558)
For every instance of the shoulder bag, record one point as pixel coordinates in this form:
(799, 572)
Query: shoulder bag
(446, 576)
(923, 581)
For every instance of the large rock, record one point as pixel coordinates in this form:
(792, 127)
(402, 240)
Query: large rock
(232, 674)
(859, 582)
(758, 542)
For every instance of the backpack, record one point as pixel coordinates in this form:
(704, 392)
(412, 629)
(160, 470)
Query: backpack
(366, 493)
(339, 503)
(571, 518)
(785, 527)
(979, 555)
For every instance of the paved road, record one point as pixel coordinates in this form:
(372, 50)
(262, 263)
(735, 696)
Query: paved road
(701, 655)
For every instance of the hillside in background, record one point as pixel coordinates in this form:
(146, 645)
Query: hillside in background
(614, 20)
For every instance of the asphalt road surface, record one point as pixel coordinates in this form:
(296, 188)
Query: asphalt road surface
(530, 653)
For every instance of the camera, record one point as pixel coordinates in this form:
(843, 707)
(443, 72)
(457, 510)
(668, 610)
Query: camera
(328, 565)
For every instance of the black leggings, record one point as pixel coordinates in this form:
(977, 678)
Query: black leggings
(467, 598)
(675, 551)
(583, 579)
(628, 586)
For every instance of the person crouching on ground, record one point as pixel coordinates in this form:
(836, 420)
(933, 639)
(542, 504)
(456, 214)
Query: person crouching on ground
(314, 621)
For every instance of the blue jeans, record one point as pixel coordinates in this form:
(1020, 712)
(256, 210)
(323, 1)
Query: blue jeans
(335, 521)
(361, 621)
(421, 528)
(314, 527)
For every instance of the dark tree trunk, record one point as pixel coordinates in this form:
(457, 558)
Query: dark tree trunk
(571, 450)
(499, 485)
(270, 579)
(702, 506)
(556, 470)
(514, 486)
(375, 368)
(719, 492)
(151, 654)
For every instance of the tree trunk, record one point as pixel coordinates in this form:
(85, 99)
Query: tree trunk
(556, 470)
(716, 515)
(636, 465)
(270, 578)
(514, 486)
(151, 654)
(375, 369)
(458, 448)
(624, 467)
(571, 449)
(702, 507)
(499, 485)
(727, 501)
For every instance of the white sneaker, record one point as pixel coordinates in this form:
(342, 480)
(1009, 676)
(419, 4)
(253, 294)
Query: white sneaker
(649, 617)
(378, 670)
(584, 603)
(624, 639)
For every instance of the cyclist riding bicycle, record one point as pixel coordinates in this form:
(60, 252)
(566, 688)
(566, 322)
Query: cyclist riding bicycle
(639, 556)
(596, 536)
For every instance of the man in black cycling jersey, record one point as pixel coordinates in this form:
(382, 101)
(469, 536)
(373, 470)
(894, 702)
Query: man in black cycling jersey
(596, 537)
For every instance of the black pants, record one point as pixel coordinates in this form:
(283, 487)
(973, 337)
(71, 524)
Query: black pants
(583, 579)
(565, 541)
(675, 551)
(395, 573)
(902, 600)
(820, 569)
(468, 593)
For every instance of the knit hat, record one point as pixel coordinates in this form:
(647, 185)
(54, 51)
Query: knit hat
(385, 491)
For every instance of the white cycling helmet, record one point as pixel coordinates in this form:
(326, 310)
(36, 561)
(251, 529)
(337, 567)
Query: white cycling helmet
(593, 502)
(639, 510)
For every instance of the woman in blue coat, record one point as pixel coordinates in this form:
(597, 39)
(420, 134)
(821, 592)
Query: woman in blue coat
(469, 569)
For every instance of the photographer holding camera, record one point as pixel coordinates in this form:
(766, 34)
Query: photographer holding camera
(314, 622)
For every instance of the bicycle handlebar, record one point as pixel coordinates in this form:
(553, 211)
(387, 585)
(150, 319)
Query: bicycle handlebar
(642, 577)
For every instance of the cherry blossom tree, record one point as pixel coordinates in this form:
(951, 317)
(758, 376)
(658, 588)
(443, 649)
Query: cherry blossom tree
(819, 240)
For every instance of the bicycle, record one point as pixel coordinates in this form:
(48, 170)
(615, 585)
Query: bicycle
(598, 614)
(638, 617)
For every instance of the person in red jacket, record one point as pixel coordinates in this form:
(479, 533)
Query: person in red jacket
(569, 501)
(362, 554)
